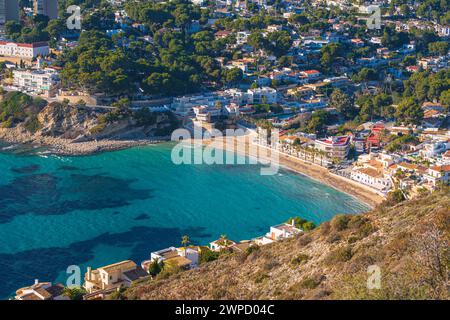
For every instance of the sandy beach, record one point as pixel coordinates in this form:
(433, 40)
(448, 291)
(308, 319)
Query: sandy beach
(68, 147)
(316, 172)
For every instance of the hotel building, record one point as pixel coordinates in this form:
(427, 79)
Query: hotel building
(37, 81)
(334, 147)
(23, 50)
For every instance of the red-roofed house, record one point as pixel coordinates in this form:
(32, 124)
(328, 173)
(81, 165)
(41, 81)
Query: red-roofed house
(357, 42)
(23, 50)
(446, 156)
(222, 34)
(310, 74)
(373, 140)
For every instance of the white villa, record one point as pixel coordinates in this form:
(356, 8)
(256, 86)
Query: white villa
(113, 276)
(180, 257)
(278, 232)
(220, 244)
(438, 174)
(262, 95)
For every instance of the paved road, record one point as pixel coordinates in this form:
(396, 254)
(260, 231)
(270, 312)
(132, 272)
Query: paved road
(48, 99)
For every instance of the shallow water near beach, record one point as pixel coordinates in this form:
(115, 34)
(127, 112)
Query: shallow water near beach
(96, 210)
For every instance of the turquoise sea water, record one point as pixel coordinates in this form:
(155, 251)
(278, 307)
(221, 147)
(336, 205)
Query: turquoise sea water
(96, 210)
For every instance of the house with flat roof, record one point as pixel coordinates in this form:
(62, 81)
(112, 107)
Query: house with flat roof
(262, 95)
(279, 232)
(42, 81)
(186, 258)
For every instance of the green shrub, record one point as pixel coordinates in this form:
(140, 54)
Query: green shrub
(260, 277)
(207, 255)
(301, 258)
(352, 239)
(395, 197)
(144, 117)
(33, 124)
(340, 222)
(301, 223)
(251, 249)
(75, 293)
(342, 254)
(98, 128)
(310, 283)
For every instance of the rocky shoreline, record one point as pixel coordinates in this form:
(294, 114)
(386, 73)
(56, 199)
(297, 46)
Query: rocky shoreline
(68, 147)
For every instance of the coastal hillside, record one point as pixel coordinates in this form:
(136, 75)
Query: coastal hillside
(78, 129)
(407, 241)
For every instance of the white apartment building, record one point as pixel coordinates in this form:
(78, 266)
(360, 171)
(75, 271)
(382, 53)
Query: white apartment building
(183, 106)
(372, 178)
(23, 50)
(262, 95)
(205, 113)
(37, 81)
(236, 96)
(334, 147)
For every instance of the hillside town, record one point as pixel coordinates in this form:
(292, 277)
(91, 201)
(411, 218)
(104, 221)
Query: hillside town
(109, 281)
(369, 104)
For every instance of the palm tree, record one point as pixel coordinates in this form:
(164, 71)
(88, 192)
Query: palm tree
(322, 154)
(313, 154)
(185, 241)
(224, 239)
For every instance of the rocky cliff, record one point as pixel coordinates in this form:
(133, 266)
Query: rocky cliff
(76, 129)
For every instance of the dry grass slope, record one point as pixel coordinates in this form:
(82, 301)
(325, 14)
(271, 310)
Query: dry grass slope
(409, 242)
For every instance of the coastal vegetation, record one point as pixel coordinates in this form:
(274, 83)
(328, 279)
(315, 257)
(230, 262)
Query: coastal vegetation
(17, 107)
(301, 223)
